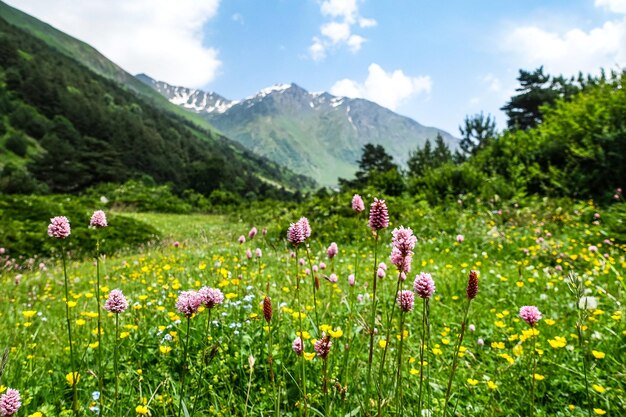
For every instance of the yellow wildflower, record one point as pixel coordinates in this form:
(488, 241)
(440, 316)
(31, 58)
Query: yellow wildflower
(599, 411)
(472, 381)
(70, 378)
(597, 354)
(598, 388)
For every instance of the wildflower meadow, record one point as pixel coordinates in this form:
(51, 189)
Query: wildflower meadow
(513, 311)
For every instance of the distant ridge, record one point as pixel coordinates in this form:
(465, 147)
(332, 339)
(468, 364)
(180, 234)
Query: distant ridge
(314, 134)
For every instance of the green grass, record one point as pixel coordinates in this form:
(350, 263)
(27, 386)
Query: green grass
(517, 254)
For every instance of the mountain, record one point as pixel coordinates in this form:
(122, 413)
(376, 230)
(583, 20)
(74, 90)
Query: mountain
(66, 128)
(315, 134)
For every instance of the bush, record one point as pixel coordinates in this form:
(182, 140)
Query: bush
(26, 219)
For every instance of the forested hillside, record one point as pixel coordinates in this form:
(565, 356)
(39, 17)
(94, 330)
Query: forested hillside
(64, 128)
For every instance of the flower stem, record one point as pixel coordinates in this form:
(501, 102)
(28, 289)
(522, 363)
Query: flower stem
(304, 399)
(184, 370)
(373, 319)
(100, 372)
(399, 371)
(115, 364)
(532, 375)
(69, 335)
(422, 342)
(581, 338)
(317, 321)
(456, 358)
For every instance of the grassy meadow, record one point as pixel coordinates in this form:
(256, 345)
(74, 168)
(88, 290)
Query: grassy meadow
(234, 359)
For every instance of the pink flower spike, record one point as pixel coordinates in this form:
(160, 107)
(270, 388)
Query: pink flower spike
(357, 203)
(379, 215)
(351, 280)
(98, 219)
(332, 250)
(405, 300)
(10, 403)
(530, 314)
(59, 227)
(188, 303)
(210, 297)
(242, 239)
(252, 233)
(424, 285)
(116, 303)
(297, 346)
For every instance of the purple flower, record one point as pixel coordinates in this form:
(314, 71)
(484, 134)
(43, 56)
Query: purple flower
(351, 280)
(242, 239)
(332, 250)
(252, 233)
(322, 265)
(10, 403)
(297, 346)
(248, 253)
(305, 227)
(210, 297)
(59, 227)
(258, 252)
(295, 235)
(424, 285)
(322, 347)
(530, 314)
(379, 215)
(357, 203)
(460, 238)
(98, 219)
(382, 266)
(593, 248)
(405, 300)
(116, 303)
(188, 303)
(380, 273)
(333, 278)
(176, 244)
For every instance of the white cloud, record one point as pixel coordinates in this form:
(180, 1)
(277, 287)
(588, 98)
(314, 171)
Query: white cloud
(355, 42)
(615, 6)
(317, 50)
(574, 50)
(162, 38)
(346, 9)
(367, 23)
(338, 31)
(387, 89)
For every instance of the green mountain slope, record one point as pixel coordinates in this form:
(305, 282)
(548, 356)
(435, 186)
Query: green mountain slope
(92, 59)
(72, 129)
(315, 134)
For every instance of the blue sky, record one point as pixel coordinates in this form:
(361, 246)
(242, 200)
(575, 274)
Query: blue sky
(433, 61)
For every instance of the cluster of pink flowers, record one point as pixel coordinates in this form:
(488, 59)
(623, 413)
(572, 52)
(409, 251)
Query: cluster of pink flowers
(322, 347)
(402, 252)
(530, 314)
(405, 300)
(59, 227)
(98, 219)
(332, 250)
(116, 303)
(188, 303)
(210, 297)
(299, 232)
(10, 403)
(252, 233)
(357, 203)
(297, 346)
(424, 285)
(379, 215)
